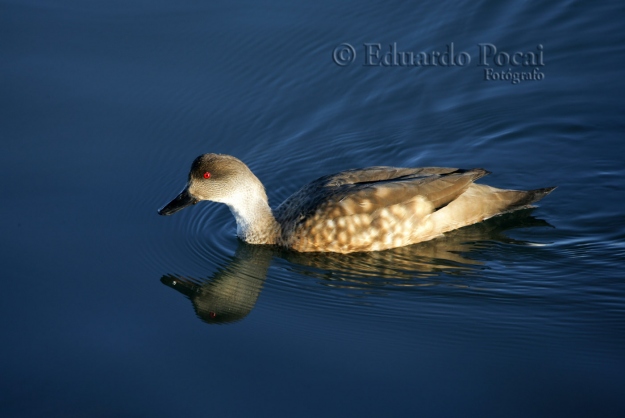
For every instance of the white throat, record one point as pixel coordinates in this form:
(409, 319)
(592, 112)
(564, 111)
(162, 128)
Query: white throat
(255, 221)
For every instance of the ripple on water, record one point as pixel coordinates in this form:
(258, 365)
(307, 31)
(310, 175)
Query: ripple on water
(196, 241)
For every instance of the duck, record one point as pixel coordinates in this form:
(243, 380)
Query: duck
(357, 210)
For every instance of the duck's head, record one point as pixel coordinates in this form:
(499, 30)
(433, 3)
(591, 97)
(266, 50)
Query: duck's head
(215, 177)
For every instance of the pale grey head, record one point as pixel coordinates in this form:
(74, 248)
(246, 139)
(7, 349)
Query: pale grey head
(226, 179)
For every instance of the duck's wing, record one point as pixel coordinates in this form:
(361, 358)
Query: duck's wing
(378, 174)
(371, 189)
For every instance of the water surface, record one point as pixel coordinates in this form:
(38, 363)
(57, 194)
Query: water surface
(110, 310)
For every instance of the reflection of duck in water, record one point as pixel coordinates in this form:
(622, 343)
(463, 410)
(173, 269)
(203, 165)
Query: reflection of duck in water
(232, 292)
(368, 209)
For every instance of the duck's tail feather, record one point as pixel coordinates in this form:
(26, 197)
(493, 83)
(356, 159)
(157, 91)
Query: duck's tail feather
(477, 203)
(518, 199)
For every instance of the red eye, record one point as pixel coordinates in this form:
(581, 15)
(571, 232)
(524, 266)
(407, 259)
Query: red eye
(207, 175)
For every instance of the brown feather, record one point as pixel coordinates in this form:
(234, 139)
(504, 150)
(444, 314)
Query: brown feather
(332, 210)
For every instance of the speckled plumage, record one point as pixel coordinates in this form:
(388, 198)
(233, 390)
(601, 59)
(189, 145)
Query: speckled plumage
(368, 209)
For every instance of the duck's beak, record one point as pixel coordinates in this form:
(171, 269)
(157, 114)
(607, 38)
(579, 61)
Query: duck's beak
(180, 202)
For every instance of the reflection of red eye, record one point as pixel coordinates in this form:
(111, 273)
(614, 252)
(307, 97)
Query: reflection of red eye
(207, 175)
(212, 314)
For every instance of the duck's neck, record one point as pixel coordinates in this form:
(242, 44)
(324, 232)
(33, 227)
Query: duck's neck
(255, 221)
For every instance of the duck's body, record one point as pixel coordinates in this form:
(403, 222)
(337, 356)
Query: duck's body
(368, 209)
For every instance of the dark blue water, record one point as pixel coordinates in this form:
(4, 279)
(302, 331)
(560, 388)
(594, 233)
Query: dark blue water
(108, 309)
